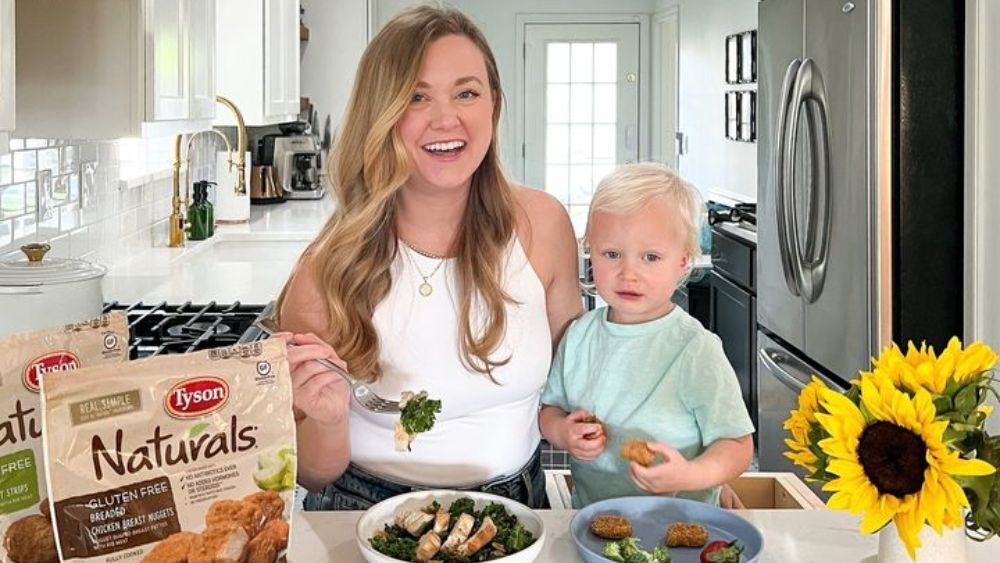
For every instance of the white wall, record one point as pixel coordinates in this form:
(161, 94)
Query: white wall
(497, 19)
(338, 34)
(983, 168)
(712, 162)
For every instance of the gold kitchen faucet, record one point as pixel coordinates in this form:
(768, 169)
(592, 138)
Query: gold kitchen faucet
(176, 234)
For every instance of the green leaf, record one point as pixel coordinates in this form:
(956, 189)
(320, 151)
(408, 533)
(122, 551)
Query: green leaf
(967, 399)
(198, 429)
(942, 404)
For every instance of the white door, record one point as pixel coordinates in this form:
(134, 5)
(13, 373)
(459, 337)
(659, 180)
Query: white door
(166, 60)
(581, 100)
(201, 18)
(281, 57)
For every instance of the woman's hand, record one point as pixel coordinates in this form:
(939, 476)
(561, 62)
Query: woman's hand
(318, 393)
(675, 473)
(584, 440)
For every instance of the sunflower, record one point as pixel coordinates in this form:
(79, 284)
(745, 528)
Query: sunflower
(921, 368)
(801, 423)
(890, 461)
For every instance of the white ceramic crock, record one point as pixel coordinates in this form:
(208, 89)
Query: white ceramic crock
(38, 292)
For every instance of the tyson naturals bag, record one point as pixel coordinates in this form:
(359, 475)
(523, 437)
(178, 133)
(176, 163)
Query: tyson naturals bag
(174, 458)
(24, 360)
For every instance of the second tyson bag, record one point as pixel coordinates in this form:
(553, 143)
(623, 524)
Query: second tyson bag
(174, 458)
(24, 360)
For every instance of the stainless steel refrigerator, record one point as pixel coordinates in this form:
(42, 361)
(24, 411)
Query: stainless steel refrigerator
(832, 161)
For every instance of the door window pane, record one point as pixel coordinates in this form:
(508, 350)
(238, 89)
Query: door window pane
(581, 103)
(605, 62)
(604, 144)
(605, 109)
(581, 110)
(557, 62)
(557, 103)
(581, 62)
(581, 143)
(557, 144)
(581, 184)
(557, 181)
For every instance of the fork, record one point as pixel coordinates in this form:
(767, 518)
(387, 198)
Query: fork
(362, 393)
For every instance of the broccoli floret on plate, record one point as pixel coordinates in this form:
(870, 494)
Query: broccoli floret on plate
(629, 551)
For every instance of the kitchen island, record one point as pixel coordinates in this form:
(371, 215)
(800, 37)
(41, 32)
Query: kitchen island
(790, 536)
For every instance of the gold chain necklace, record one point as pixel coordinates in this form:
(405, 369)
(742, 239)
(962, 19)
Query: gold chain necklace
(425, 288)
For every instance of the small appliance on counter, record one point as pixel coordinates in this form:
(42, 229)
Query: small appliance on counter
(297, 162)
(264, 187)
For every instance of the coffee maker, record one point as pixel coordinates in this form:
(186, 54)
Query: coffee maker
(265, 188)
(297, 167)
(297, 162)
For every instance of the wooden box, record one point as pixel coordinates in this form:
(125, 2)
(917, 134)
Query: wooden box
(757, 490)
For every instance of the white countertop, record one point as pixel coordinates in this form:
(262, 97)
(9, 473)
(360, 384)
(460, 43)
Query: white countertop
(248, 262)
(790, 536)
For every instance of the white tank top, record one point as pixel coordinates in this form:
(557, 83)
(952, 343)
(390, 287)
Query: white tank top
(484, 430)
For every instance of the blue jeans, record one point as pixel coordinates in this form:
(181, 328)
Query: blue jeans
(358, 489)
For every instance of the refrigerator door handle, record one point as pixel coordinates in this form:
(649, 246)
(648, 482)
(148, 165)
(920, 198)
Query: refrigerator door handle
(771, 359)
(808, 266)
(781, 143)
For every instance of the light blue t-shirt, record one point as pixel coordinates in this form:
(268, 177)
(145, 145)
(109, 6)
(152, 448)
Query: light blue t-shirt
(666, 380)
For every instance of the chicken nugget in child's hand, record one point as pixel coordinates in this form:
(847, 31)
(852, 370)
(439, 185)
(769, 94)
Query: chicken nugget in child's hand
(591, 419)
(637, 451)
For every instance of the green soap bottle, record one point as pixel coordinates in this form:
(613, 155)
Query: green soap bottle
(200, 216)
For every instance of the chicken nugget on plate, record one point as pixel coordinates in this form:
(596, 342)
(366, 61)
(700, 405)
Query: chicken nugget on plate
(611, 527)
(686, 534)
(637, 451)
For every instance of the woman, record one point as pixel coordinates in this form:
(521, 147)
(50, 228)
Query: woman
(434, 273)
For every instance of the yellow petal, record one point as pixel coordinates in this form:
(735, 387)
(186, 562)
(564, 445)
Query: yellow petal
(877, 516)
(908, 528)
(840, 406)
(954, 465)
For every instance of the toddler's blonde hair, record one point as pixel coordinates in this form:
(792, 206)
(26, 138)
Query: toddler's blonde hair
(631, 187)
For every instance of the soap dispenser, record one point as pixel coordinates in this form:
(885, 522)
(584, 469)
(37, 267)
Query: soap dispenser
(201, 222)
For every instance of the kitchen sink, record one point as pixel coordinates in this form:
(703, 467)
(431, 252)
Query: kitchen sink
(249, 250)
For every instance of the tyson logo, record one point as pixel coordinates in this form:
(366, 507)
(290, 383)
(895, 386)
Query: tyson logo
(56, 361)
(196, 397)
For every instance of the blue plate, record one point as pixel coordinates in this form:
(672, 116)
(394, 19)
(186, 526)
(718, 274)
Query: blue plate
(650, 517)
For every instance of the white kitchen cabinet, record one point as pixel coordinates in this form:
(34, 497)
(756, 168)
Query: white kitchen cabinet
(102, 69)
(203, 65)
(257, 47)
(6, 73)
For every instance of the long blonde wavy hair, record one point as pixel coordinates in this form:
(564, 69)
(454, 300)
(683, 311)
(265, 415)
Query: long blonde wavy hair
(352, 255)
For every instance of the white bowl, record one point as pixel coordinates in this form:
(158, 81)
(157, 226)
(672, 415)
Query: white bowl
(376, 517)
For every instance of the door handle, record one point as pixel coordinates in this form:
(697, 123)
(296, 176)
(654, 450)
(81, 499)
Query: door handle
(781, 142)
(809, 264)
(630, 137)
(772, 359)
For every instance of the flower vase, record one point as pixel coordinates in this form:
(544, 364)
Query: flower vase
(949, 547)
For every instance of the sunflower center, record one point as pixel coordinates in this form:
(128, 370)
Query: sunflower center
(893, 457)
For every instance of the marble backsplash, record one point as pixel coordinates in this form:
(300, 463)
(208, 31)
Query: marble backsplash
(100, 201)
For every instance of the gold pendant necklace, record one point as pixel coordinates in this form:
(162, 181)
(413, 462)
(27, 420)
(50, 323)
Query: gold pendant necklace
(425, 288)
